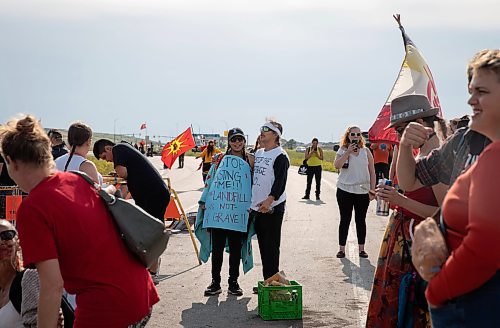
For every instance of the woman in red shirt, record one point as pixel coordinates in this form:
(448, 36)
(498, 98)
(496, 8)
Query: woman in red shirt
(67, 233)
(466, 292)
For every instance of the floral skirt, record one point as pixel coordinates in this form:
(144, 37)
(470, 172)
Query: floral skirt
(397, 291)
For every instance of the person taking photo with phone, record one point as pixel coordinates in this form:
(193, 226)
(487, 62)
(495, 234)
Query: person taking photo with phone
(355, 186)
(313, 158)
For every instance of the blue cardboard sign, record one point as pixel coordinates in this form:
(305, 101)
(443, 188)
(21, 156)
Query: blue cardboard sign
(229, 195)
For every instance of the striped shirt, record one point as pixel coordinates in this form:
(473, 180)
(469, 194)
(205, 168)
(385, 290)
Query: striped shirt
(455, 156)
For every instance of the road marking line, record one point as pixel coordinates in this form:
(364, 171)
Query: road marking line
(360, 294)
(357, 282)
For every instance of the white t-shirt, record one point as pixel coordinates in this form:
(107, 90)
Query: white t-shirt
(263, 176)
(356, 178)
(9, 317)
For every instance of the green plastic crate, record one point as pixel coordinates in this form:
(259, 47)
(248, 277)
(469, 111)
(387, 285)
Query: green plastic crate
(280, 302)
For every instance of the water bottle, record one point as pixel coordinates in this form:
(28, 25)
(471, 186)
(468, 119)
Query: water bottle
(382, 205)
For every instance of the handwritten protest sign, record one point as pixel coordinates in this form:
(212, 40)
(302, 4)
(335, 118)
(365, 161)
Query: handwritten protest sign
(229, 196)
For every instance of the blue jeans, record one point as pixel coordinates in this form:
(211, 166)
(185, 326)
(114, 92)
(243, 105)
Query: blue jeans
(479, 308)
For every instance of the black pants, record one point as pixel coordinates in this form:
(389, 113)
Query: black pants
(268, 228)
(347, 201)
(235, 239)
(181, 161)
(382, 168)
(205, 169)
(313, 171)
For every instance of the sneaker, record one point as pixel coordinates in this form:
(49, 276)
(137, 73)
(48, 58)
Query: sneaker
(305, 197)
(255, 290)
(234, 289)
(363, 254)
(213, 289)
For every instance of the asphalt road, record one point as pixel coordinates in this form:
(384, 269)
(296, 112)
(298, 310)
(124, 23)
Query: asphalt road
(335, 292)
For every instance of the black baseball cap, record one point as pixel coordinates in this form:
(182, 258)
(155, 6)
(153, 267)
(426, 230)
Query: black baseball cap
(235, 132)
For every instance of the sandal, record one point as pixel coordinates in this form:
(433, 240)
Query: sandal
(363, 254)
(341, 254)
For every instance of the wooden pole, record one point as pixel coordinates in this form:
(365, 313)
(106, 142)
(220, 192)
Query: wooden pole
(184, 217)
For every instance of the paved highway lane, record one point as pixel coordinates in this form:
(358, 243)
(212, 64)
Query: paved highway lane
(335, 292)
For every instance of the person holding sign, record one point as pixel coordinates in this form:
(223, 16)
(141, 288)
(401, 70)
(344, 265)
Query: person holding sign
(224, 213)
(268, 195)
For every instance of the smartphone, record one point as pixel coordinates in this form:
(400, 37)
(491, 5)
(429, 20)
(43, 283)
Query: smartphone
(355, 142)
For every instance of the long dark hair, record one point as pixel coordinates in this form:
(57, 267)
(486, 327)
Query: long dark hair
(210, 150)
(257, 144)
(78, 134)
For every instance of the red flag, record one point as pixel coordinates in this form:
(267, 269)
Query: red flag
(176, 147)
(414, 78)
(143, 126)
(12, 204)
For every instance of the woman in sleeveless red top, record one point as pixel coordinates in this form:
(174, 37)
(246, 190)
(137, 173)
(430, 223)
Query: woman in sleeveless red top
(397, 297)
(395, 262)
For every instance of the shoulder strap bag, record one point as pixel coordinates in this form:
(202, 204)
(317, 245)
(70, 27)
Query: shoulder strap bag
(303, 168)
(145, 236)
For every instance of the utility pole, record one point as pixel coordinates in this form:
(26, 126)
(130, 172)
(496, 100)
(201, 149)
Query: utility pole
(114, 130)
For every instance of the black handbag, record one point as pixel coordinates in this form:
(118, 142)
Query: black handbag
(145, 236)
(303, 168)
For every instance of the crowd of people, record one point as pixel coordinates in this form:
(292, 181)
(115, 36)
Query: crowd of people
(436, 167)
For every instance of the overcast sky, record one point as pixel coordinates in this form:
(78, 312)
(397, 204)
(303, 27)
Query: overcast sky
(316, 66)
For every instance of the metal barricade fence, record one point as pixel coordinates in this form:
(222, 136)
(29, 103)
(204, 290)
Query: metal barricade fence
(10, 199)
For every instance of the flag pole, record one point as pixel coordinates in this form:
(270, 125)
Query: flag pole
(397, 17)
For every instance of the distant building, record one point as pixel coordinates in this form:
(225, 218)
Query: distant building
(201, 139)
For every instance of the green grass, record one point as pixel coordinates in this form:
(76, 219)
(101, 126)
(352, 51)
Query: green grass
(297, 158)
(103, 167)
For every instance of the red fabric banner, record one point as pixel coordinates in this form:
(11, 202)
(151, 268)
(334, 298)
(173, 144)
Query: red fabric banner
(12, 204)
(176, 147)
(414, 77)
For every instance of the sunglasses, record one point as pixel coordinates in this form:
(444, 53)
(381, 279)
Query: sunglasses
(355, 134)
(7, 235)
(237, 139)
(265, 129)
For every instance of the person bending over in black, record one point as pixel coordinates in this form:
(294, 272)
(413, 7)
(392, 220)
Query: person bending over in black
(145, 184)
